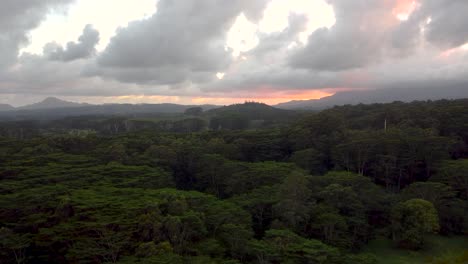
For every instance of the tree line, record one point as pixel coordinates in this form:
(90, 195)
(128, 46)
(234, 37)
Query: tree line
(315, 190)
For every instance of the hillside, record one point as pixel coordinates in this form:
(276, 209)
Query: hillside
(51, 103)
(83, 190)
(377, 96)
(249, 114)
(6, 107)
(52, 109)
(253, 111)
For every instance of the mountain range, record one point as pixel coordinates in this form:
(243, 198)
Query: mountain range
(51, 103)
(48, 107)
(52, 107)
(377, 96)
(48, 103)
(6, 107)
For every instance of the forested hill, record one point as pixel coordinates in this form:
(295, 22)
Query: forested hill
(387, 95)
(254, 110)
(6, 107)
(179, 119)
(46, 111)
(248, 114)
(363, 184)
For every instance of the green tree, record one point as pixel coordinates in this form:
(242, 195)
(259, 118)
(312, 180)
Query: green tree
(453, 211)
(455, 174)
(284, 246)
(193, 111)
(412, 220)
(310, 159)
(294, 202)
(16, 244)
(259, 203)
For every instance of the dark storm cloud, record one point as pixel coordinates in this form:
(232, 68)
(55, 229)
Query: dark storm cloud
(270, 44)
(183, 37)
(367, 32)
(17, 18)
(84, 48)
(179, 50)
(354, 41)
(366, 48)
(444, 22)
(448, 25)
(266, 66)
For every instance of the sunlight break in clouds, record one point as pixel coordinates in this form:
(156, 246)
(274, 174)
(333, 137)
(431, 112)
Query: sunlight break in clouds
(220, 75)
(243, 36)
(105, 15)
(404, 8)
(215, 50)
(273, 97)
(318, 12)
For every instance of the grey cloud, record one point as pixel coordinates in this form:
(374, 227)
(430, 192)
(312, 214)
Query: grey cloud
(366, 32)
(354, 41)
(424, 69)
(448, 27)
(182, 38)
(270, 44)
(84, 48)
(178, 51)
(417, 71)
(17, 18)
(164, 75)
(367, 48)
(449, 22)
(37, 75)
(329, 50)
(405, 38)
(266, 66)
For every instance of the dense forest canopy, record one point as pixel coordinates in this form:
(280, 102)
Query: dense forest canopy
(239, 184)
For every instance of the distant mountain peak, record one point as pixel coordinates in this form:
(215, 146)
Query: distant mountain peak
(51, 102)
(378, 96)
(6, 107)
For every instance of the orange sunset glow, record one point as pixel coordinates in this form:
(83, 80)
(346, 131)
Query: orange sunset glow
(233, 131)
(268, 98)
(404, 8)
(448, 53)
(271, 97)
(225, 52)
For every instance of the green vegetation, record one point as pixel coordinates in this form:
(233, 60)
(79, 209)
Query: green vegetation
(226, 186)
(438, 250)
(412, 220)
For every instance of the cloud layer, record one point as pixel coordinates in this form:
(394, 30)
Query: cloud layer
(17, 18)
(182, 48)
(84, 48)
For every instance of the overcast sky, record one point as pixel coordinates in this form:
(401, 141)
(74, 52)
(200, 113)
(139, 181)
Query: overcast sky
(226, 51)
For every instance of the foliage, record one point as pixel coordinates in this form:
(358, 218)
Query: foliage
(413, 219)
(240, 184)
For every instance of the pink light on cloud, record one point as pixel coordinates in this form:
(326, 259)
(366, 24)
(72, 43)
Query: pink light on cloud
(404, 8)
(271, 97)
(268, 96)
(446, 54)
(356, 78)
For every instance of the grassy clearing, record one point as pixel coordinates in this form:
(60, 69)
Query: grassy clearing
(440, 250)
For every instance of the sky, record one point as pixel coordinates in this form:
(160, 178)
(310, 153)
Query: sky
(224, 52)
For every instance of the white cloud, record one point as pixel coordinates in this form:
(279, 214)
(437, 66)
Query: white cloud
(220, 75)
(183, 51)
(276, 15)
(105, 16)
(242, 36)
